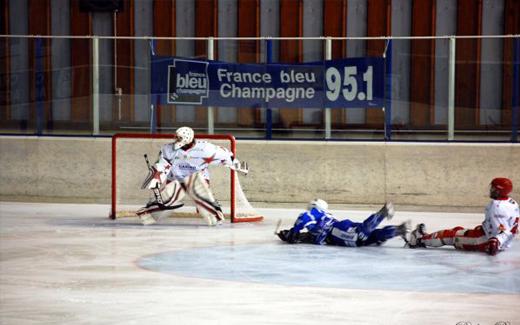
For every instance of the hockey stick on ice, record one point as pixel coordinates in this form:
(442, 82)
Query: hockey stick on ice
(278, 225)
(155, 190)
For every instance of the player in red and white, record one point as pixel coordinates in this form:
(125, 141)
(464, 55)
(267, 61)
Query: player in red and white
(182, 168)
(496, 232)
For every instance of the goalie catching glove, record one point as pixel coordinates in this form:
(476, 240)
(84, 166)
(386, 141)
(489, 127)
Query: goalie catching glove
(240, 166)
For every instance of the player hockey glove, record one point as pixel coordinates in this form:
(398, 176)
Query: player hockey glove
(290, 237)
(493, 245)
(514, 230)
(283, 235)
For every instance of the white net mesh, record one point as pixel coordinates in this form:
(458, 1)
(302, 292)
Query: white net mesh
(129, 171)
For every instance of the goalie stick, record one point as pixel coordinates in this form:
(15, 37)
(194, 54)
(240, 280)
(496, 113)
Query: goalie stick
(155, 190)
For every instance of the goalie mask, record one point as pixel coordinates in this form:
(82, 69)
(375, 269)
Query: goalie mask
(318, 204)
(183, 136)
(500, 188)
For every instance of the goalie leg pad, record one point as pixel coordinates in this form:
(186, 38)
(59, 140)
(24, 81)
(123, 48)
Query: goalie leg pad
(207, 206)
(172, 195)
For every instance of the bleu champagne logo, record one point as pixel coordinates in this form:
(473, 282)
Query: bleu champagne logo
(188, 82)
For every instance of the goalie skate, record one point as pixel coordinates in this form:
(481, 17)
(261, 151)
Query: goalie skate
(147, 219)
(145, 213)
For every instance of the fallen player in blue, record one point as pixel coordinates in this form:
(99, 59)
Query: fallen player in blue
(323, 229)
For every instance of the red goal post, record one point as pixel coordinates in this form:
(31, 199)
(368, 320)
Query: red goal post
(235, 192)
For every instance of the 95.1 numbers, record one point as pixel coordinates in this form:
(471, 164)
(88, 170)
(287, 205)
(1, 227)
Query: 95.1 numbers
(347, 84)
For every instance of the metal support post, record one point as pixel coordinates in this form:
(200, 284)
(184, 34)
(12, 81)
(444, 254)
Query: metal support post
(95, 86)
(515, 105)
(211, 117)
(327, 111)
(39, 85)
(451, 90)
(268, 110)
(387, 110)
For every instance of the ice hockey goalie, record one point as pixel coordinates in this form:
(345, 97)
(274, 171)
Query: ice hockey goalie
(182, 169)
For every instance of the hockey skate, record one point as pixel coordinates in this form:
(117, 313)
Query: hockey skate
(403, 230)
(147, 219)
(416, 236)
(212, 220)
(387, 211)
(145, 216)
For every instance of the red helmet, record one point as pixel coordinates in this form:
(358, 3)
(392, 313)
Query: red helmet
(500, 187)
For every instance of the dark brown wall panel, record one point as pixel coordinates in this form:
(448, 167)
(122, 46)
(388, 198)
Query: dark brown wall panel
(511, 26)
(5, 86)
(248, 26)
(80, 25)
(422, 64)
(467, 68)
(206, 24)
(40, 24)
(378, 24)
(125, 63)
(248, 22)
(335, 25)
(291, 25)
(164, 26)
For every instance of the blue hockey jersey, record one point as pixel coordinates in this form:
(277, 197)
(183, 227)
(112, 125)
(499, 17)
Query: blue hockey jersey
(317, 222)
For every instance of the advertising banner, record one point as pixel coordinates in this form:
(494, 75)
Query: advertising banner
(353, 82)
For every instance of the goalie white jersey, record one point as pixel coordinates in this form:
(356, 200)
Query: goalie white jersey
(179, 164)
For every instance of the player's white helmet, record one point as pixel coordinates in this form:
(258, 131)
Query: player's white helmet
(318, 204)
(183, 136)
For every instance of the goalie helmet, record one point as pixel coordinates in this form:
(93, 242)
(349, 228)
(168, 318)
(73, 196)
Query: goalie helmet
(318, 204)
(500, 187)
(183, 136)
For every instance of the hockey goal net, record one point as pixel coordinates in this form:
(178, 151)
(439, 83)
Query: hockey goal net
(129, 170)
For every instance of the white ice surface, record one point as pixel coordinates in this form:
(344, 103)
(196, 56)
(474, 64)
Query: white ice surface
(70, 264)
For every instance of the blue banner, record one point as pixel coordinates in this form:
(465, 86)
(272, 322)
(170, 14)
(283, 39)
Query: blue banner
(354, 82)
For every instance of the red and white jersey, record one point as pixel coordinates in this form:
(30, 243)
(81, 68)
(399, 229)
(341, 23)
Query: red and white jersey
(179, 164)
(502, 221)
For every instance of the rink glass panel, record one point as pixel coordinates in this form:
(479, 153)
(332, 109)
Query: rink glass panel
(47, 88)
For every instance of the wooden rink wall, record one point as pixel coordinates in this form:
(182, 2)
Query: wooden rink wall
(442, 175)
